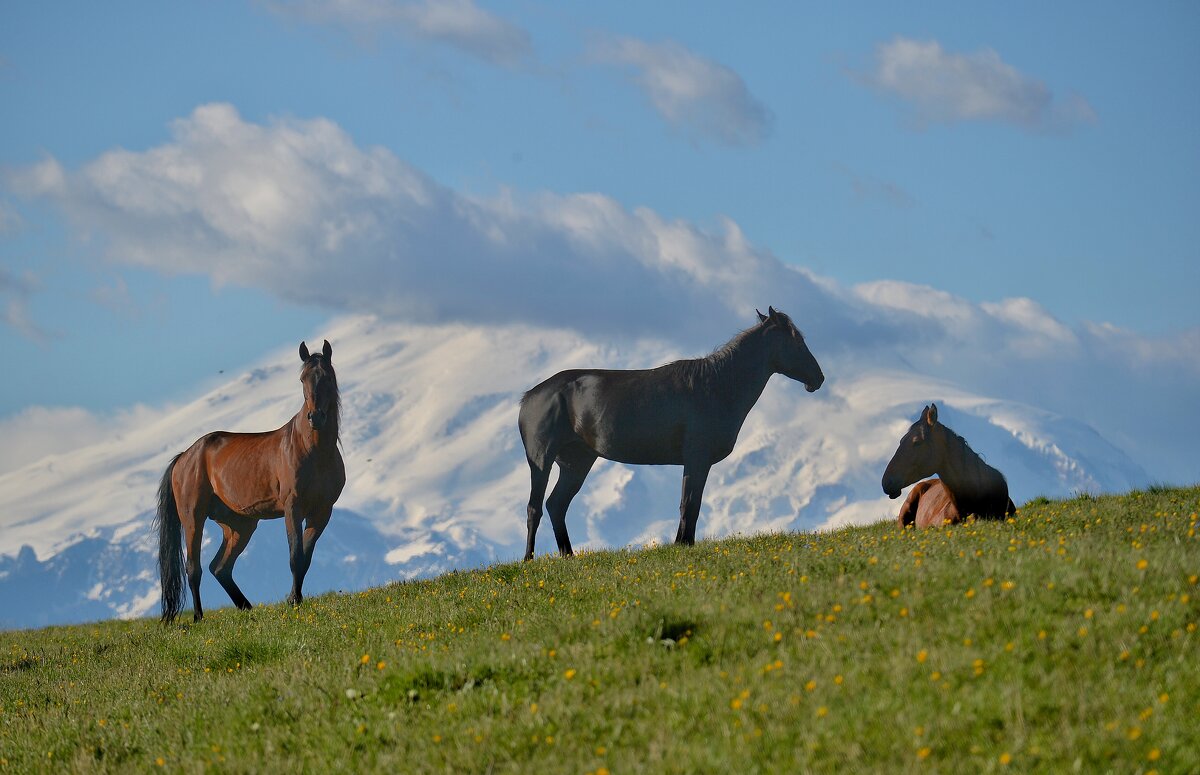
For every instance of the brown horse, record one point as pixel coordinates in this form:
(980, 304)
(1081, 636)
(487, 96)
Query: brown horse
(236, 479)
(966, 485)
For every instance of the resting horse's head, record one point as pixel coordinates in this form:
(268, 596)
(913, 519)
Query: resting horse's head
(918, 455)
(320, 384)
(790, 355)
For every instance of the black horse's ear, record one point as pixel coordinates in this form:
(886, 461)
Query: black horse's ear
(303, 351)
(772, 312)
(761, 317)
(931, 414)
(327, 350)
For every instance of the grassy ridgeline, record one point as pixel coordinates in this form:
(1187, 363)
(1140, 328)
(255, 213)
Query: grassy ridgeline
(1064, 638)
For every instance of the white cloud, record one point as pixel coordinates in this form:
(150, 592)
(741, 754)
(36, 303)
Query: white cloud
(947, 87)
(697, 94)
(459, 24)
(37, 432)
(15, 291)
(296, 208)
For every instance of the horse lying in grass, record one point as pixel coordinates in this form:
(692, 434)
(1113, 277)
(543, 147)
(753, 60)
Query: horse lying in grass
(237, 479)
(685, 413)
(966, 485)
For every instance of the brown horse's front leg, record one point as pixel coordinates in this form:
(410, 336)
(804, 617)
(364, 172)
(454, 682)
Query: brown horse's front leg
(294, 522)
(314, 527)
(694, 478)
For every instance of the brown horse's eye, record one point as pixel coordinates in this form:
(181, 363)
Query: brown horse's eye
(916, 440)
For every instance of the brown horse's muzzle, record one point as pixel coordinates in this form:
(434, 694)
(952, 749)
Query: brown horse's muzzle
(316, 418)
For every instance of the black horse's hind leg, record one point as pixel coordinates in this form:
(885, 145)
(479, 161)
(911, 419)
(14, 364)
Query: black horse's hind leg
(694, 478)
(237, 532)
(539, 477)
(574, 463)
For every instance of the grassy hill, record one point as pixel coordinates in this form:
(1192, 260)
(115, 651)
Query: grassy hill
(1065, 638)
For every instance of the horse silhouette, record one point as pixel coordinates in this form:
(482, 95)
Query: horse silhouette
(685, 413)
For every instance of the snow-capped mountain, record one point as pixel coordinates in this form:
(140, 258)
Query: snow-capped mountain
(437, 477)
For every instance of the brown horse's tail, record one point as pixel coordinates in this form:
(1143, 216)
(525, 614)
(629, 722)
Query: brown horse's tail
(170, 548)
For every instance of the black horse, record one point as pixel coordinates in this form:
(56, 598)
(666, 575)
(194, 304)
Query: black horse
(685, 413)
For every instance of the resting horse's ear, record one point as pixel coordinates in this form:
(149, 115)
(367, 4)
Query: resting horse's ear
(761, 317)
(772, 312)
(930, 414)
(303, 351)
(327, 350)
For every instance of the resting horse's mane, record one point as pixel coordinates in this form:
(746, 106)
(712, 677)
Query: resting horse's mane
(982, 475)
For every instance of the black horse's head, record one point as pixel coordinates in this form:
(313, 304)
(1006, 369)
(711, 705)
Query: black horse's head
(918, 455)
(790, 355)
(320, 385)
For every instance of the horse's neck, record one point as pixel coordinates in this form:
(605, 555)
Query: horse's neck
(965, 473)
(742, 372)
(307, 440)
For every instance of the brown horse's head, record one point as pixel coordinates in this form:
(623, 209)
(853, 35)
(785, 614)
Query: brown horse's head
(790, 355)
(320, 385)
(919, 454)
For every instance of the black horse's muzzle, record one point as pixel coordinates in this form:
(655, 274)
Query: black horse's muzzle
(316, 418)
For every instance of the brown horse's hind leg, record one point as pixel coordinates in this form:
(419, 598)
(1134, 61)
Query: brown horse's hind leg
(237, 532)
(193, 495)
(193, 539)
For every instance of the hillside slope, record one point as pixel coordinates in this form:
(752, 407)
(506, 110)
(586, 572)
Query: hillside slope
(437, 477)
(1062, 639)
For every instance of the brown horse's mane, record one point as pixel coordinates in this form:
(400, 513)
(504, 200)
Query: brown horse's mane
(335, 411)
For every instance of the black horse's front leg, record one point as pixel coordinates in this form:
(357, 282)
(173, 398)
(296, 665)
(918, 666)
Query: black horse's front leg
(694, 478)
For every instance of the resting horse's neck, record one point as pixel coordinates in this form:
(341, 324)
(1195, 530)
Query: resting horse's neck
(977, 487)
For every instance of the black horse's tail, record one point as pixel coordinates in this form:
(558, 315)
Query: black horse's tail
(170, 548)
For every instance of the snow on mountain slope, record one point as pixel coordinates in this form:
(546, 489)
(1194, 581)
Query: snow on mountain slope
(437, 477)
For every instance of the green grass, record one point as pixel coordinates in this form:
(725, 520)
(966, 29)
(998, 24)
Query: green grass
(1063, 639)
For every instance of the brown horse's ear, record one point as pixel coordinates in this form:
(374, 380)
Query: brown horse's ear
(772, 312)
(303, 351)
(931, 414)
(761, 317)
(327, 350)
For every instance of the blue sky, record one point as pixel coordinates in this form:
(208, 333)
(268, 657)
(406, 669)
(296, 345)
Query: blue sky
(1046, 151)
